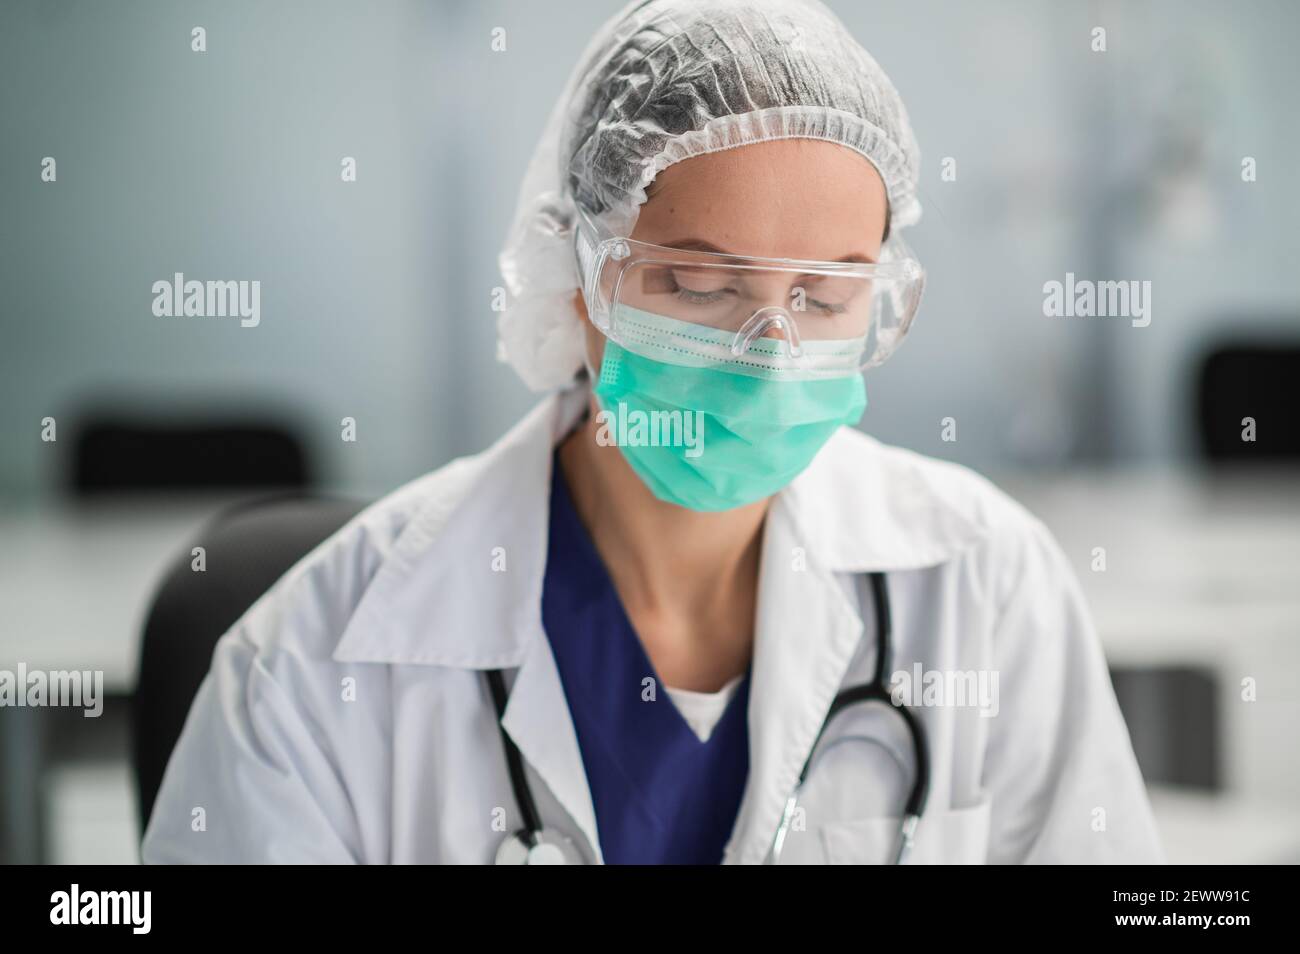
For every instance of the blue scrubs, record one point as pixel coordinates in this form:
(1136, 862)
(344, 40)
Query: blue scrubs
(661, 795)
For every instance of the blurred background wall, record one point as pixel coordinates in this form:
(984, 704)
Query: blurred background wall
(376, 294)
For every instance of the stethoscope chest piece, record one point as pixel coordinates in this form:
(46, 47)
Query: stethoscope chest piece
(549, 848)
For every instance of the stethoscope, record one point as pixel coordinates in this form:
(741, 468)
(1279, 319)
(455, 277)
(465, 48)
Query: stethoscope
(534, 845)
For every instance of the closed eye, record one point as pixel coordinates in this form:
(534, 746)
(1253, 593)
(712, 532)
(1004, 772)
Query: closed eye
(828, 308)
(703, 298)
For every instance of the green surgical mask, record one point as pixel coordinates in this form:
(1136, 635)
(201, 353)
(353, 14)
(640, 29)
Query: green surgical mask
(709, 435)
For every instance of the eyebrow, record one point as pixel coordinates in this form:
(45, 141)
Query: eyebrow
(699, 245)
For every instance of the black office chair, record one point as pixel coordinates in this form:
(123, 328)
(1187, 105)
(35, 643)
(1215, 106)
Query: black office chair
(134, 452)
(1174, 722)
(1238, 380)
(246, 549)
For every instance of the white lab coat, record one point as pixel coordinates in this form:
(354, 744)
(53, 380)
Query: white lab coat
(346, 717)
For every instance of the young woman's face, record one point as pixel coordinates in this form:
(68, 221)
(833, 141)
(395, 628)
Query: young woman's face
(788, 198)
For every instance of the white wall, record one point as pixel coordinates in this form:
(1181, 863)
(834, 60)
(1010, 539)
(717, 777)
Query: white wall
(376, 294)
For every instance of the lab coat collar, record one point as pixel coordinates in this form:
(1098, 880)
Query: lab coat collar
(862, 506)
(462, 585)
(481, 530)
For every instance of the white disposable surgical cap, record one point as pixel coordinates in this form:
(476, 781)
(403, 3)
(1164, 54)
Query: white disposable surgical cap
(663, 81)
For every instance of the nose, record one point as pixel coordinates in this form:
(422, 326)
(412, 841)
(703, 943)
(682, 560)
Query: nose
(770, 322)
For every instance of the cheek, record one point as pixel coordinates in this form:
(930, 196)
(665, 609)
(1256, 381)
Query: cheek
(595, 345)
(593, 340)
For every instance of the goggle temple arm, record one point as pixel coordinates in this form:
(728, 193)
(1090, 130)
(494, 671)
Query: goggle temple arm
(592, 253)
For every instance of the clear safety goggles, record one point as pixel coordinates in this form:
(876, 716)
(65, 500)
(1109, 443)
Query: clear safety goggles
(755, 315)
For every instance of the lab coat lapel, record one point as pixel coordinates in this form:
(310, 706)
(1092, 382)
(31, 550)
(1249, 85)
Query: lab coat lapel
(537, 714)
(806, 633)
(439, 601)
(538, 720)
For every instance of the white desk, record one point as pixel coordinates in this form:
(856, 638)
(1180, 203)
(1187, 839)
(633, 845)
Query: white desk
(1201, 570)
(1200, 829)
(76, 581)
(1193, 562)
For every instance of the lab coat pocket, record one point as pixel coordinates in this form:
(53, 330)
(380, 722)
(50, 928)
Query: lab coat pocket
(956, 837)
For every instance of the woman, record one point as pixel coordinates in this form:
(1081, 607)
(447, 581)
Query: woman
(626, 631)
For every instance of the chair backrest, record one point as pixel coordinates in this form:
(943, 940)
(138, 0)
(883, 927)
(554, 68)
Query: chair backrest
(115, 453)
(1175, 723)
(245, 551)
(1258, 382)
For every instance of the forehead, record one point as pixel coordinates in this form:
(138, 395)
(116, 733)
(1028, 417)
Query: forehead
(790, 198)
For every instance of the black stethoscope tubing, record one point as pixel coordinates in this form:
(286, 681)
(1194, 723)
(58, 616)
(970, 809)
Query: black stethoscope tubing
(878, 690)
(875, 691)
(515, 764)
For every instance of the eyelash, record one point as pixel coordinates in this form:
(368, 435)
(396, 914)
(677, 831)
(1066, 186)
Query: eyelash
(712, 298)
(833, 309)
(700, 298)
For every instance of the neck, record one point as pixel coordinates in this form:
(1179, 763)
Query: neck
(689, 577)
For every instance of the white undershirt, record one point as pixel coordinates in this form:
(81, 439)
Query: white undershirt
(702, 710)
